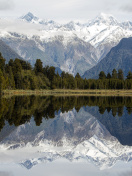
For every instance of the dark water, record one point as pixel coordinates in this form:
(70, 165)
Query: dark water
(89, 134)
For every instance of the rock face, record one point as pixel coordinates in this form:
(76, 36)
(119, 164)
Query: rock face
(73, 47)
(120, 57)
(7, 52)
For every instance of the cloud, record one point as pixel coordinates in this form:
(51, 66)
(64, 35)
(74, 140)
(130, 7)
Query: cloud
(129, 173)
(6, 4)
(5, 174)
(20, 27)
(127, 8)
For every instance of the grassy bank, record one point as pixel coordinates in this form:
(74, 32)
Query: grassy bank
(64, 92)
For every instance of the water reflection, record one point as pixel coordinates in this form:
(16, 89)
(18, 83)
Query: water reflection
(44, 129)
(18, 110)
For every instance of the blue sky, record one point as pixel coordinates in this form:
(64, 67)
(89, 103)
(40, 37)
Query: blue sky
(67, 10)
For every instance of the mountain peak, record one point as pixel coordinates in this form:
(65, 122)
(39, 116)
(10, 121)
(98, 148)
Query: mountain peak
(29, 14)
(105, 16)
(106, 19)
(29, 17)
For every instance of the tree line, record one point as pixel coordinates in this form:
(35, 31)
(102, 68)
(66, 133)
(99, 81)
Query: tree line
(19, 74)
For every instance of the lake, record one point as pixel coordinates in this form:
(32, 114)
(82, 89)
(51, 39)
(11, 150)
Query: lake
(75, 135)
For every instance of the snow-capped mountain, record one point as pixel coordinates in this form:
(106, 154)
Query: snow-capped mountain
(29, 17)
(45, 39)
(66, 136)
(104, 19)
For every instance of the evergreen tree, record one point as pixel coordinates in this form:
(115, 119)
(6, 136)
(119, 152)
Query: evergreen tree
(1, 81)
(51, 75)
(108, 76)
(120, 84)
(11, 62)
(71, 82)
(79, 82)
(114, 74)
(25, 65)
(38, 68)
(77, 76)
(11, 79)
(17, 67)
(17, 72)
(120, 74)
(18, 80)
(58, 81)
(128, 84)
(2, 64)
(32, 83)
(129, 76)
(102, 75)
(63, 74)
(46, 70)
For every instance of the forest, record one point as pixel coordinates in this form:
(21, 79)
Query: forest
(19, 74)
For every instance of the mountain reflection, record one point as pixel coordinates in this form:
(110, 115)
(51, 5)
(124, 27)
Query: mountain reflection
(94, 129)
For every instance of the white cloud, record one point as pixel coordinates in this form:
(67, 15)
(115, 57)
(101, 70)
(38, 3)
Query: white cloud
(68, 10)
(6, 4)
(127, 8)
(19, 27)
(5, 174)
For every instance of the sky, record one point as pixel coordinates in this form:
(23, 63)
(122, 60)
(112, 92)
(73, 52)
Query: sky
(67, 10)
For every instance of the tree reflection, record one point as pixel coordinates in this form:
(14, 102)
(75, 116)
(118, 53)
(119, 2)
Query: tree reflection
(19, 110)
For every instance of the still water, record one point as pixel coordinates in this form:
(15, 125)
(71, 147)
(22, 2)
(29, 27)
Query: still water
(77, 136)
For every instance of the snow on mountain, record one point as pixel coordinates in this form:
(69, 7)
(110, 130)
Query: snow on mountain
(95, 31)
(105, 19)
(127, 25)
(30, 18)
(54, 50)
(103, 33)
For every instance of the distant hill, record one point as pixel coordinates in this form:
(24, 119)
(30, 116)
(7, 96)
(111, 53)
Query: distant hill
(120, 57)
(7, 52)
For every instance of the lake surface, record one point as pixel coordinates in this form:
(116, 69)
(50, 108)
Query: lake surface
(76, 136)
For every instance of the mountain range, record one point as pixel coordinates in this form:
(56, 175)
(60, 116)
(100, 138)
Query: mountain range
(72, 47)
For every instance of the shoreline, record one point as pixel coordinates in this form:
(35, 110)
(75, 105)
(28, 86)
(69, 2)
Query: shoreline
(68, 92)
